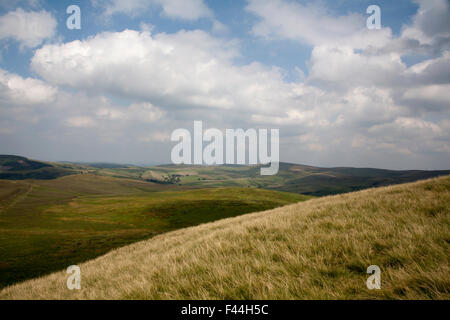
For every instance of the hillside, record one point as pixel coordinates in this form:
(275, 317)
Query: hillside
(20, 168)
(315, 249)
(47, 224)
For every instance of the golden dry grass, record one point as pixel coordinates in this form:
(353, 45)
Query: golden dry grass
(318, 249)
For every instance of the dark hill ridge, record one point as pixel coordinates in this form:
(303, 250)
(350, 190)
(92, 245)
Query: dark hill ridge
(17, 163)
(327, 181)
(20, 168)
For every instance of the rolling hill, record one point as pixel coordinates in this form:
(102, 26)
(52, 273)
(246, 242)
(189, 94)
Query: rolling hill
(59, 213)
(46, 225)
(293, 178)
(317, 249)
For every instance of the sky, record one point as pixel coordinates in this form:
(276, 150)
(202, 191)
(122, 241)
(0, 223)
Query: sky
(340, 94)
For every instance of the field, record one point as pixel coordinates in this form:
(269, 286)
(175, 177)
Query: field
(47, 225)
(317, 249)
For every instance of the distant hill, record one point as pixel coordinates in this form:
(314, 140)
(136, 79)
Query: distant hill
(302, 179)
(20, 168)
(17, 163)
(100, 165)
(296, 178)
(317, 249)
(328, 181)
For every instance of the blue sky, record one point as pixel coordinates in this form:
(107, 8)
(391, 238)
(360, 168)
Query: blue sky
(283, 53)
(341, 95)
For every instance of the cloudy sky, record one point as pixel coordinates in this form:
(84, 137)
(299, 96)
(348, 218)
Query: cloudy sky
(341, 94)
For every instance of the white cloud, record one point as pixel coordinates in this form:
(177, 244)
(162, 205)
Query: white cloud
(181, 70)
(431, 97)
(15, 90)
(147, 27)
(432, 93)
(144, 112)
(364, 97)
(136, 112)
(432, 70)
(29, 28)
(313, 24)
(186, 9)
(342, 66)
(109, 113)
(412, 129)
(431, 21)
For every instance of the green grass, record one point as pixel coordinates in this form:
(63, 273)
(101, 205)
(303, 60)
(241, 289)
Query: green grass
(316, 249)
(46, 225)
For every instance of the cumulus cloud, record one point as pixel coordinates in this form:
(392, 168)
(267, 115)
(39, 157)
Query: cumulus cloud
(346, 54)
(428, 98)
(181, 70)
(18, 91)
(29, 28)
(431, 23)
(341, 66)
(186, 9)
(431, 71)
(312, 23)
(23, 100)
(428, 34)
(365, 96)
(346, 92)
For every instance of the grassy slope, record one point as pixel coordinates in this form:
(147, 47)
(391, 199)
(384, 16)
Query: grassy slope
(46, 225)
(315, 249)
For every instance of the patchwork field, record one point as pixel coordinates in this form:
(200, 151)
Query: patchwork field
(295, 178)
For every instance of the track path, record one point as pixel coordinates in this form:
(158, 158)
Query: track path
(21, 197)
